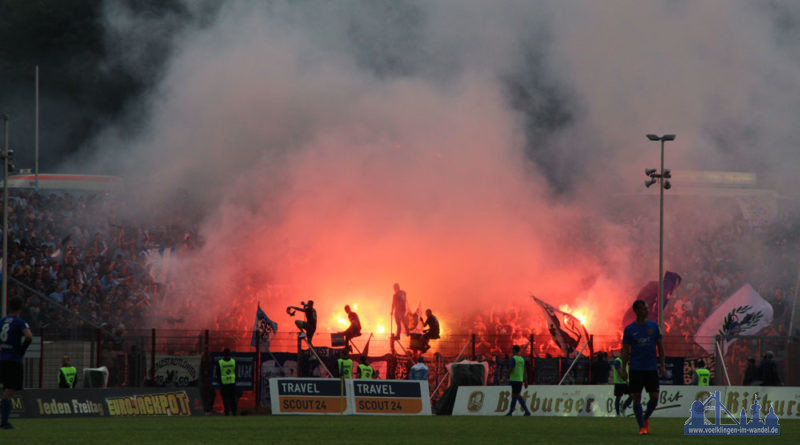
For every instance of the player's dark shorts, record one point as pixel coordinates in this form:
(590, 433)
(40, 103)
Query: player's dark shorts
(643, 379)
(516, 387)
(620, 389)
(11, 374)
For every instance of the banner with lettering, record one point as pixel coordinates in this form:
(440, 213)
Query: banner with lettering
(572, 400)
(110, 402)
(391, 397)
(309, 396)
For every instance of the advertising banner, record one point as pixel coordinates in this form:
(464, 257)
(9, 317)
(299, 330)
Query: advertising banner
(391, 397)
(309, 396)
(113, 402)
(573, 400)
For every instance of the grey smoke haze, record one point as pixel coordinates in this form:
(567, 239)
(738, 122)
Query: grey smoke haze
(473, 151)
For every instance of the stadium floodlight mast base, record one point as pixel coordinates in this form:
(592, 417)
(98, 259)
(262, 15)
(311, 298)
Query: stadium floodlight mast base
(662, 178)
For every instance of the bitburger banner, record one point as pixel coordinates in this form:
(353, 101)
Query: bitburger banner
(112, 402)
(576, 400)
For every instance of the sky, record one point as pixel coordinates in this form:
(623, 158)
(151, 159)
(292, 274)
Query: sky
(475, 152)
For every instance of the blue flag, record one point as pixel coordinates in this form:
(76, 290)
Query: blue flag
(263, 329)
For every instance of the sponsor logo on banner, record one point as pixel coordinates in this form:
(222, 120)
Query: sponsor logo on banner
(308, 396)
(389, 397)
(598, 400)
(111, 402)
(698, 424)
(163, 404)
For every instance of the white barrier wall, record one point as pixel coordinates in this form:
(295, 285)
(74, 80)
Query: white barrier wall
(598, 400)
(363, 397)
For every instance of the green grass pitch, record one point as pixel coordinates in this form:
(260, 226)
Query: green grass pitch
(365, 430)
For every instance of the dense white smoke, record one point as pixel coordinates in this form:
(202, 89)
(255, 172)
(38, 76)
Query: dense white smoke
(475, 152)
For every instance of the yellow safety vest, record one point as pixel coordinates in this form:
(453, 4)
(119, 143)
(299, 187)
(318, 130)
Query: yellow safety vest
(227, 368)
(365, 371)
(346, 368)
(617, 378)
(703, 376)
(69, 373)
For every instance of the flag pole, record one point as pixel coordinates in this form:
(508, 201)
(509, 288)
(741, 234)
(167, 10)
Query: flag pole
(722, 360)
(575, 360)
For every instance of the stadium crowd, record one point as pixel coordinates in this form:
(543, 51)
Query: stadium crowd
(83, 252)
(86, 253)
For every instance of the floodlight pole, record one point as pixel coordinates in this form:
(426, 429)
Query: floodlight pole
(661, 179)
(3, 297)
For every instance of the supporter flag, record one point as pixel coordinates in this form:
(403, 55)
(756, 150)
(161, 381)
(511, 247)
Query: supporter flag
(649, 294)
(263, 329)
(743, 313)
(566, 330)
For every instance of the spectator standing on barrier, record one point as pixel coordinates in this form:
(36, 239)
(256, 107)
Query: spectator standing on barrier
(768, 370)
(620, 388)
(702, 376)
(750, 373)
(309, 326)
(641, 340)
(516, 377)
(354, 330)
(432, 331)
(67, 373)
(399, 310)
(365, 371)
(345, 365)
(226, 370)
(419, 371)
(15, 337)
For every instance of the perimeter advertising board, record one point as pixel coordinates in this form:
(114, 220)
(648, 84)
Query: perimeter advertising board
(391, 397)
(361, 397)
(598, 400)
(309, 396)
(110, 402)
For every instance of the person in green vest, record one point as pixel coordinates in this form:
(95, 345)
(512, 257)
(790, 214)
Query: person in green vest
(67, 373)
(226, 371)
(345, 365)
(620, 388)
(516, 377)
(702, 376)
(365, 371)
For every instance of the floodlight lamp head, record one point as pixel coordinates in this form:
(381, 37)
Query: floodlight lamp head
(667, 174)
(668, 137)
(649, 171)
(650, 182)
(653, 137)
(667, 185)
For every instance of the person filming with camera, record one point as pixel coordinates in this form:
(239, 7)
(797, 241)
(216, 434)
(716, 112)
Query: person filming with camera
(308, 326)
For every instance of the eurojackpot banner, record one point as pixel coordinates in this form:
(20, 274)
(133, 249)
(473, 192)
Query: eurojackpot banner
(598, 400)
(361, 397)
(111, 402)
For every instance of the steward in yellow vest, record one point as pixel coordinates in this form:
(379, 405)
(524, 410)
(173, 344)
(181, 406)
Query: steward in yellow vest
(67, 373)
(226, 370)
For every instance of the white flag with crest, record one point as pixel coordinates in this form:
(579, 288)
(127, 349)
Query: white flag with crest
(743, 313)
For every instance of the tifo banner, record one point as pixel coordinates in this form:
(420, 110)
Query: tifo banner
(598, 400)
(177, 370)
(743, 313)
(391, 397)
(116, 402)
(309, 396)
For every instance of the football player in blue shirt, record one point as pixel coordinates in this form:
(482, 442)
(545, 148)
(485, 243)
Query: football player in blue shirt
(640, 342)
(15, 337)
